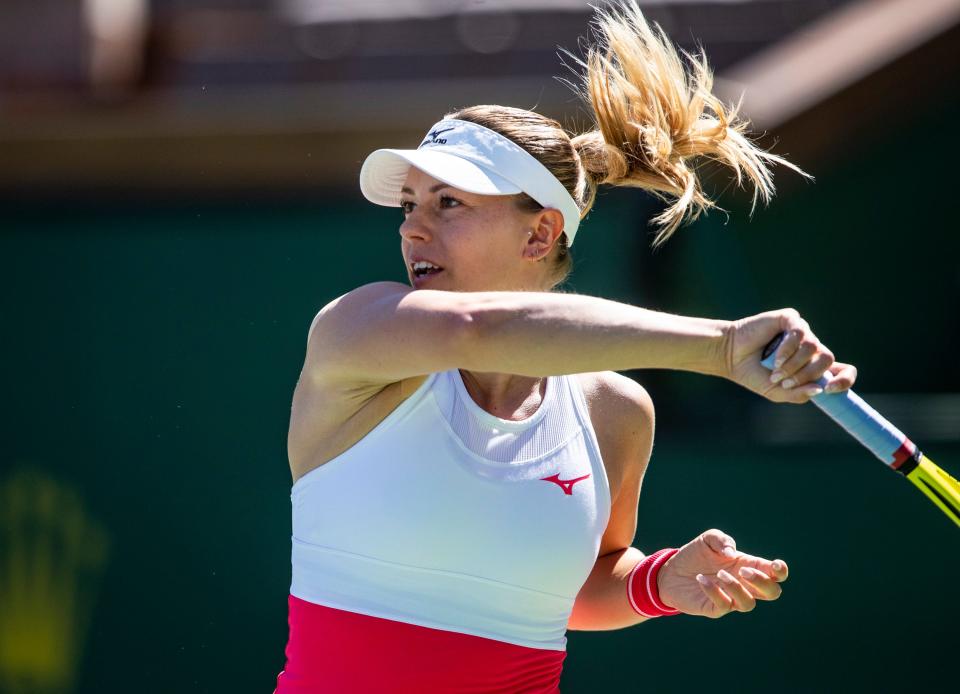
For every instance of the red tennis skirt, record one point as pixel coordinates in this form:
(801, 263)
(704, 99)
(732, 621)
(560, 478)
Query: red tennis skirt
(337, 651)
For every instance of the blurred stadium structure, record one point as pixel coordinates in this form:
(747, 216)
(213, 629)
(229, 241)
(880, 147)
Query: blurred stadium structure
(219, 94)
(178, 197)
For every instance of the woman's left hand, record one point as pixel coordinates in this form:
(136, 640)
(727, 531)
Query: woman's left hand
(710, 577)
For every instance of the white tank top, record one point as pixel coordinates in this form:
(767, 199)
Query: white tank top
(448, 517)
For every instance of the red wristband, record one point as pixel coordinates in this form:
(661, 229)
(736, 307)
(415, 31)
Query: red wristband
(642, 586)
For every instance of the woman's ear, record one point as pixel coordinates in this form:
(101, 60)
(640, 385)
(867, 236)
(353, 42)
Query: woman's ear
(547, 227)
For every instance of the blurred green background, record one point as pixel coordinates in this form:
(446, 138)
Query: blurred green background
(152, 342)
(152, 350)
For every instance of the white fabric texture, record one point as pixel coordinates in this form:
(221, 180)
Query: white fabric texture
(448, 517)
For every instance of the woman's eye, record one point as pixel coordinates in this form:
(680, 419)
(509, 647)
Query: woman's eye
(447, 201)
(406, 207)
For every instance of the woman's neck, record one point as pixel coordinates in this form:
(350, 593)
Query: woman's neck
(507, 396)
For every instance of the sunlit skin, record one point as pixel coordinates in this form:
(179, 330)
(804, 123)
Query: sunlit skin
(489, 243)
(483, 243)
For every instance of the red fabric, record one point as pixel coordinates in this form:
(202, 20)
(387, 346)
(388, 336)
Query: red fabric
(335, 651)
(642, 585)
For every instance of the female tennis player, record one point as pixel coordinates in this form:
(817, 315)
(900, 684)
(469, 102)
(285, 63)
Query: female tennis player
(467, 463)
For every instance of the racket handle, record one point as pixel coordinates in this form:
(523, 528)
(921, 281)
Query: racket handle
(860, 420)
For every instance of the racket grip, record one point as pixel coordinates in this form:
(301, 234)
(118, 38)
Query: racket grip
(860, 420)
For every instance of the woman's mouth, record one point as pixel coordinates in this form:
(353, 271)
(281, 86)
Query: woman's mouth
(421, 270)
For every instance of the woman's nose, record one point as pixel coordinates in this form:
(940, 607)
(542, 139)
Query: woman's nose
(414, 227)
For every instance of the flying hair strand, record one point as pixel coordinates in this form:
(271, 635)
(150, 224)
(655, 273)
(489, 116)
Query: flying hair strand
(656, 117)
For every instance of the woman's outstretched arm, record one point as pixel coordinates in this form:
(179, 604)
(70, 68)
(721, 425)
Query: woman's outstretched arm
(385, 332)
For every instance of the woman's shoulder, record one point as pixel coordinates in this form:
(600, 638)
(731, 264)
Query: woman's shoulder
(616, 397)
(348, 302)
(622, 416)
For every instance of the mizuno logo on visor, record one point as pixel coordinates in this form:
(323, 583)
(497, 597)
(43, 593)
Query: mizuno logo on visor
(433, 137)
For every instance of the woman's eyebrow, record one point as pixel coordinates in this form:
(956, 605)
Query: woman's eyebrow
(439, 186)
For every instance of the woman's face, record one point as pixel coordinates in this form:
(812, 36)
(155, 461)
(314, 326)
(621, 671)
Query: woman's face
(479, 242)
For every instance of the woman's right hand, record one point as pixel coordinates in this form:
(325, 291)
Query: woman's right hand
(800, 360)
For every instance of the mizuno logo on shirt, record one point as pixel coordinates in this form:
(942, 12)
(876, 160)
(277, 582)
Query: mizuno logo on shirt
(565, 485)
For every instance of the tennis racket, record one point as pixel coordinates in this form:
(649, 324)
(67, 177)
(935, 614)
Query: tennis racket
(885, 441)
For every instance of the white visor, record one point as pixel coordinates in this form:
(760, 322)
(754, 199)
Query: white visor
(474, 159)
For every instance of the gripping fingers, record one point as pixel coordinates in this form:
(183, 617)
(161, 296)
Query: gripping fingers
(811, 372)
(794, 360)
(841, 376)
(794, 328)
(800, 394)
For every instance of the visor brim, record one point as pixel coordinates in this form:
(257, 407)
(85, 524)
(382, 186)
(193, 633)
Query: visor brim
(383, 174)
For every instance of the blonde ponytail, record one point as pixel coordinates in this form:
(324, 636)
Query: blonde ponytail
(655, 119)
